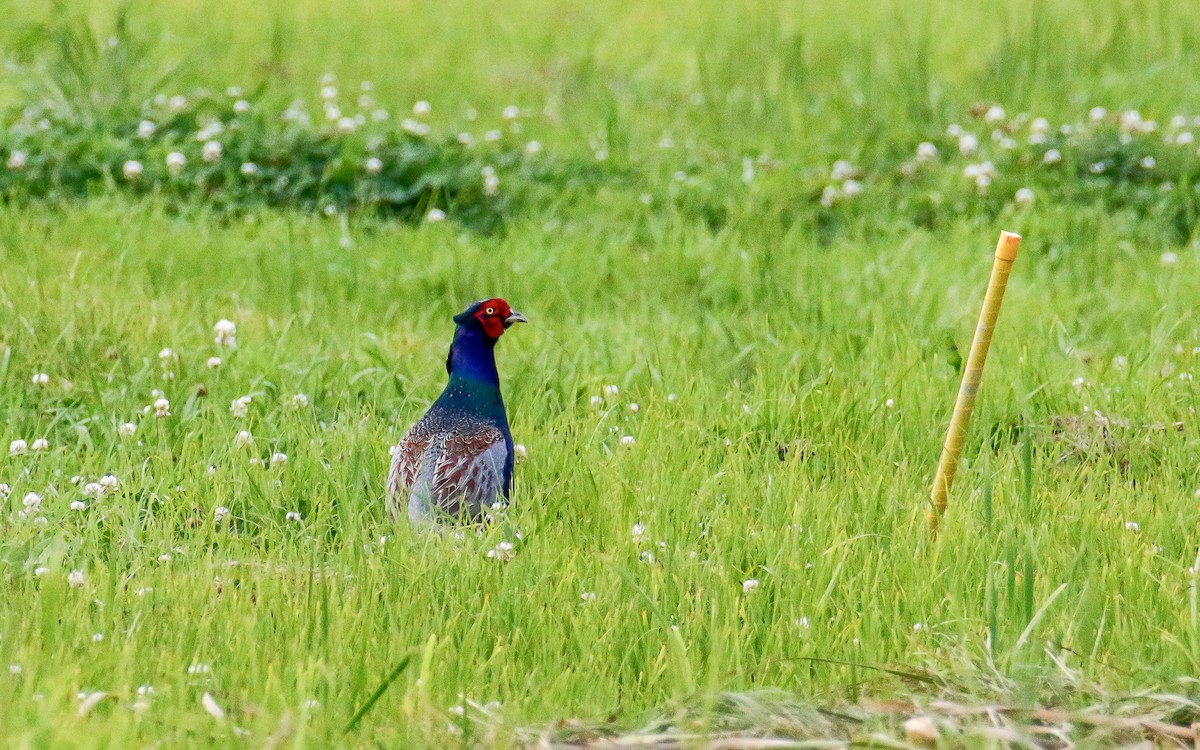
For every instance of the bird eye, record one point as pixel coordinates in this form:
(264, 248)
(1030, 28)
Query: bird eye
(490, 311)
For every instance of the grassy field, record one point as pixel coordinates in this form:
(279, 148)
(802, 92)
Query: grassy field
(786, 377)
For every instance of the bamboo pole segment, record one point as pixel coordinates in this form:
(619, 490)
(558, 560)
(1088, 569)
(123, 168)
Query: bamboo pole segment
(956, 435)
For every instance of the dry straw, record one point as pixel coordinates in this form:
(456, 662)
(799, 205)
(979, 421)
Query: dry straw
(1006, 253)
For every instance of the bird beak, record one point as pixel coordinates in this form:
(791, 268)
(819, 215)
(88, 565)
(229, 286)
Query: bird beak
(515, 317)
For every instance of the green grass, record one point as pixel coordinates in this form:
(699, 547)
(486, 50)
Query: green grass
(733, 338)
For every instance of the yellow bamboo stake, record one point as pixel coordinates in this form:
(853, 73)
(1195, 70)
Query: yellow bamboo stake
(1006, 253)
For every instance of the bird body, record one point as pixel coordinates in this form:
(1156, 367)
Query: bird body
(457, 460)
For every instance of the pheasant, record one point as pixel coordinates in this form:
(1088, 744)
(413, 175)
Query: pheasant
(457, 460)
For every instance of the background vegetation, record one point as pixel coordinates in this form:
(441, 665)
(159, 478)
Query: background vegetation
(792, 363)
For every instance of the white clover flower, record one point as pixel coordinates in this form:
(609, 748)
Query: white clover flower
(1008, 144)
(414, 127)
(1052, 156)
(634, 408)
(226, 331)
(162, 408)
(40, 444)
(94, 490)
(1024, 197)
(248, 169)
(76, 579)
(491, 184)
(587, 597)
(241, 106)
(132, 170)
(1039, 126)
(1186, 138)
(211, 152)
(40, 571)
(176, 162)
(242, 439)
(126, 429)
(146, 129)
(1132, 526)
(1148, 162)
(220, 513)
(1096, 114)
(332, 113)
(492, 136)
(435, 215)
(346, 125)
(520, 453)
(199, 669)
(1131, 121)
(842, 170)
(213, 362)
(78, 505)
(374, 165)
(889, 403)
(926, 151)
(278, 458)
(466, 139)
(41, 379)
(919, 627)
(750, 585)
(18, 448)
(178, 103)
(164, 557)
(17, 161)
(511, 112)
(422, 108)
(110, 483)
(240, 406)
(967, 144)
(5, 491)
(627, 440)
(293, 515)
(638, 532)
(300, 401)
(32, 504)
(533, 147)
(1098, 167)
(611, 391)
(995, 114)
(1168, 258)
(503, 552)
(210, 131)
(329, 92)
(165, 356)
(851, 188)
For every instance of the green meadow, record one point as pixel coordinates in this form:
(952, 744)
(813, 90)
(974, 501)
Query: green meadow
(750, 292)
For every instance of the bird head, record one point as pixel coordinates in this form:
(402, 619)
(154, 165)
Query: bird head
(492, 316)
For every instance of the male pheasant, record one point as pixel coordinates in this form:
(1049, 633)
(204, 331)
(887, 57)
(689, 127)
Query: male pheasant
(457, 460)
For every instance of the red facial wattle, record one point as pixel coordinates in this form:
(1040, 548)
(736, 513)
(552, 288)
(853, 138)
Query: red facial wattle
(491, 316)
